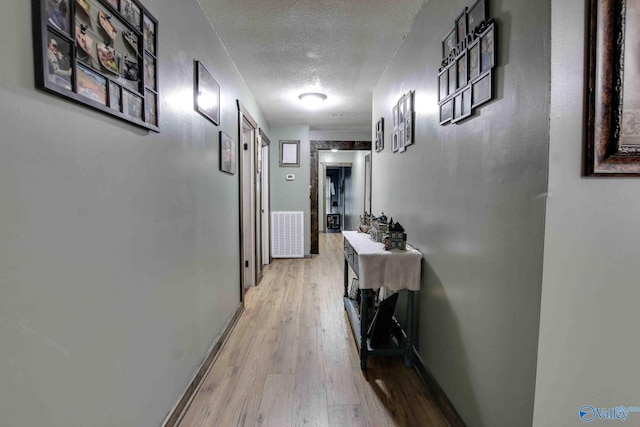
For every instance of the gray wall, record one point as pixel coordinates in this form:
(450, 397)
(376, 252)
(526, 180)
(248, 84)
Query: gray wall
(119, 258)
(472, 198)
(589, 347)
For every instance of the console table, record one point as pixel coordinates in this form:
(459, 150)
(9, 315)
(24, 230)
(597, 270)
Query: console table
(375, 267)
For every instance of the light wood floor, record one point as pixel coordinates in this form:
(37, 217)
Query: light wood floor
(292, 361)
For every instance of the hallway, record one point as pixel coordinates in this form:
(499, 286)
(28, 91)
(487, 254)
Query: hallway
(291, 360)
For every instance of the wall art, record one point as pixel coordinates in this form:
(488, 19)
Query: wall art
(92, 52)
(206, 94)
(379, 145)
(468, 57)
(613, 93)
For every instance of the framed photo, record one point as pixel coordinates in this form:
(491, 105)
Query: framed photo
(461, 26)
(481, 90)
(476, 15)
(449, 43)
(453, 77)
(394, 113)
(446, 111)
(228, 152)
(380, 135)
(149, 34)
(59, 62)
(131, 12)
(462, 70)
(462, 105)
(91, 85)
(207, 94)
(401, 139)
(115, 96)
(487, 51)
(151, 107)
(443, 85)
(90, 52)
(401, 112)
(289, 153)
(394, 141)
(132, 105)
(612, 134)
(408, 119)
(474, 59)
(59, 14)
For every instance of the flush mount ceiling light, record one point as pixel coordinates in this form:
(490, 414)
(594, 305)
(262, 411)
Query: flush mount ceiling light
(313, 99)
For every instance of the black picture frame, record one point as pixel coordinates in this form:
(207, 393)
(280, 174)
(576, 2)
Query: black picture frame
(612, 130)
(462, 70)
(482, 89)
(474, 59)
(228, 154)
(487, 49)
(476, 15)
(379, 146)
(206, 94)
(443, 85)
(449, 43)
(446, 111)
(96, 44)
(461, 26)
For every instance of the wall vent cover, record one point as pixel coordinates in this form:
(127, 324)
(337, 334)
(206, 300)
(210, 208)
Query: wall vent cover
(287, 234)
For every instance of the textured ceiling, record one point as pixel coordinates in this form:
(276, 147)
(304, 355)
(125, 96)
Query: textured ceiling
(286, 47)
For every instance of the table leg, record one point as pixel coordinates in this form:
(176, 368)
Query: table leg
(365, 294)
(408, 355)
(346, 278)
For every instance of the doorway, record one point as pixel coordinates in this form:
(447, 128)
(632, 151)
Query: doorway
(337, 192)
(251, 185)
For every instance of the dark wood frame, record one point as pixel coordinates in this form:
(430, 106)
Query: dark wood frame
(44, 29)
(204, 81)
(606, 153)
(380, 135)
(315, 147)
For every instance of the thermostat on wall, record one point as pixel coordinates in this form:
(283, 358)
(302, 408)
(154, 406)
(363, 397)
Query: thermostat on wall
(291, 177)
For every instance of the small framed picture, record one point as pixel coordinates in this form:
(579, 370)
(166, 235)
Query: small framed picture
(130, 69)
(149, 71)
(487, 53)
(443, 85)
(59, 57)
(92, 85)
(289, 153)
(58, 14)
(401, 141)
(131, 12)
(461, 26)
(132, 105)
(476, 15)
(462, 70)
(401, 112)
(394, 141)
(394, 113)
(481, 90)
(462, 105)
(449, 43)
(446, 111)
(151, 107)
(227, 154)
(380, 135)
(207, 94)
(474, 59)
(453, 77)
(149, 34)
(115, 96)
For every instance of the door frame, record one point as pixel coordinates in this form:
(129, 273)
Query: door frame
(315, 147)
(244, 116)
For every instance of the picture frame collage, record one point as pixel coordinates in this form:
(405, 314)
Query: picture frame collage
(465, 80)
(403, 118)
(99, 53)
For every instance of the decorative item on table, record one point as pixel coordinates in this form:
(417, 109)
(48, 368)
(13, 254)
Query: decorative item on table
(397, 238)
(379, 228)
(365, 223)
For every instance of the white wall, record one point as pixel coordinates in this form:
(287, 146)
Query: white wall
(119, 262)
(589, 347)
(471, 197)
